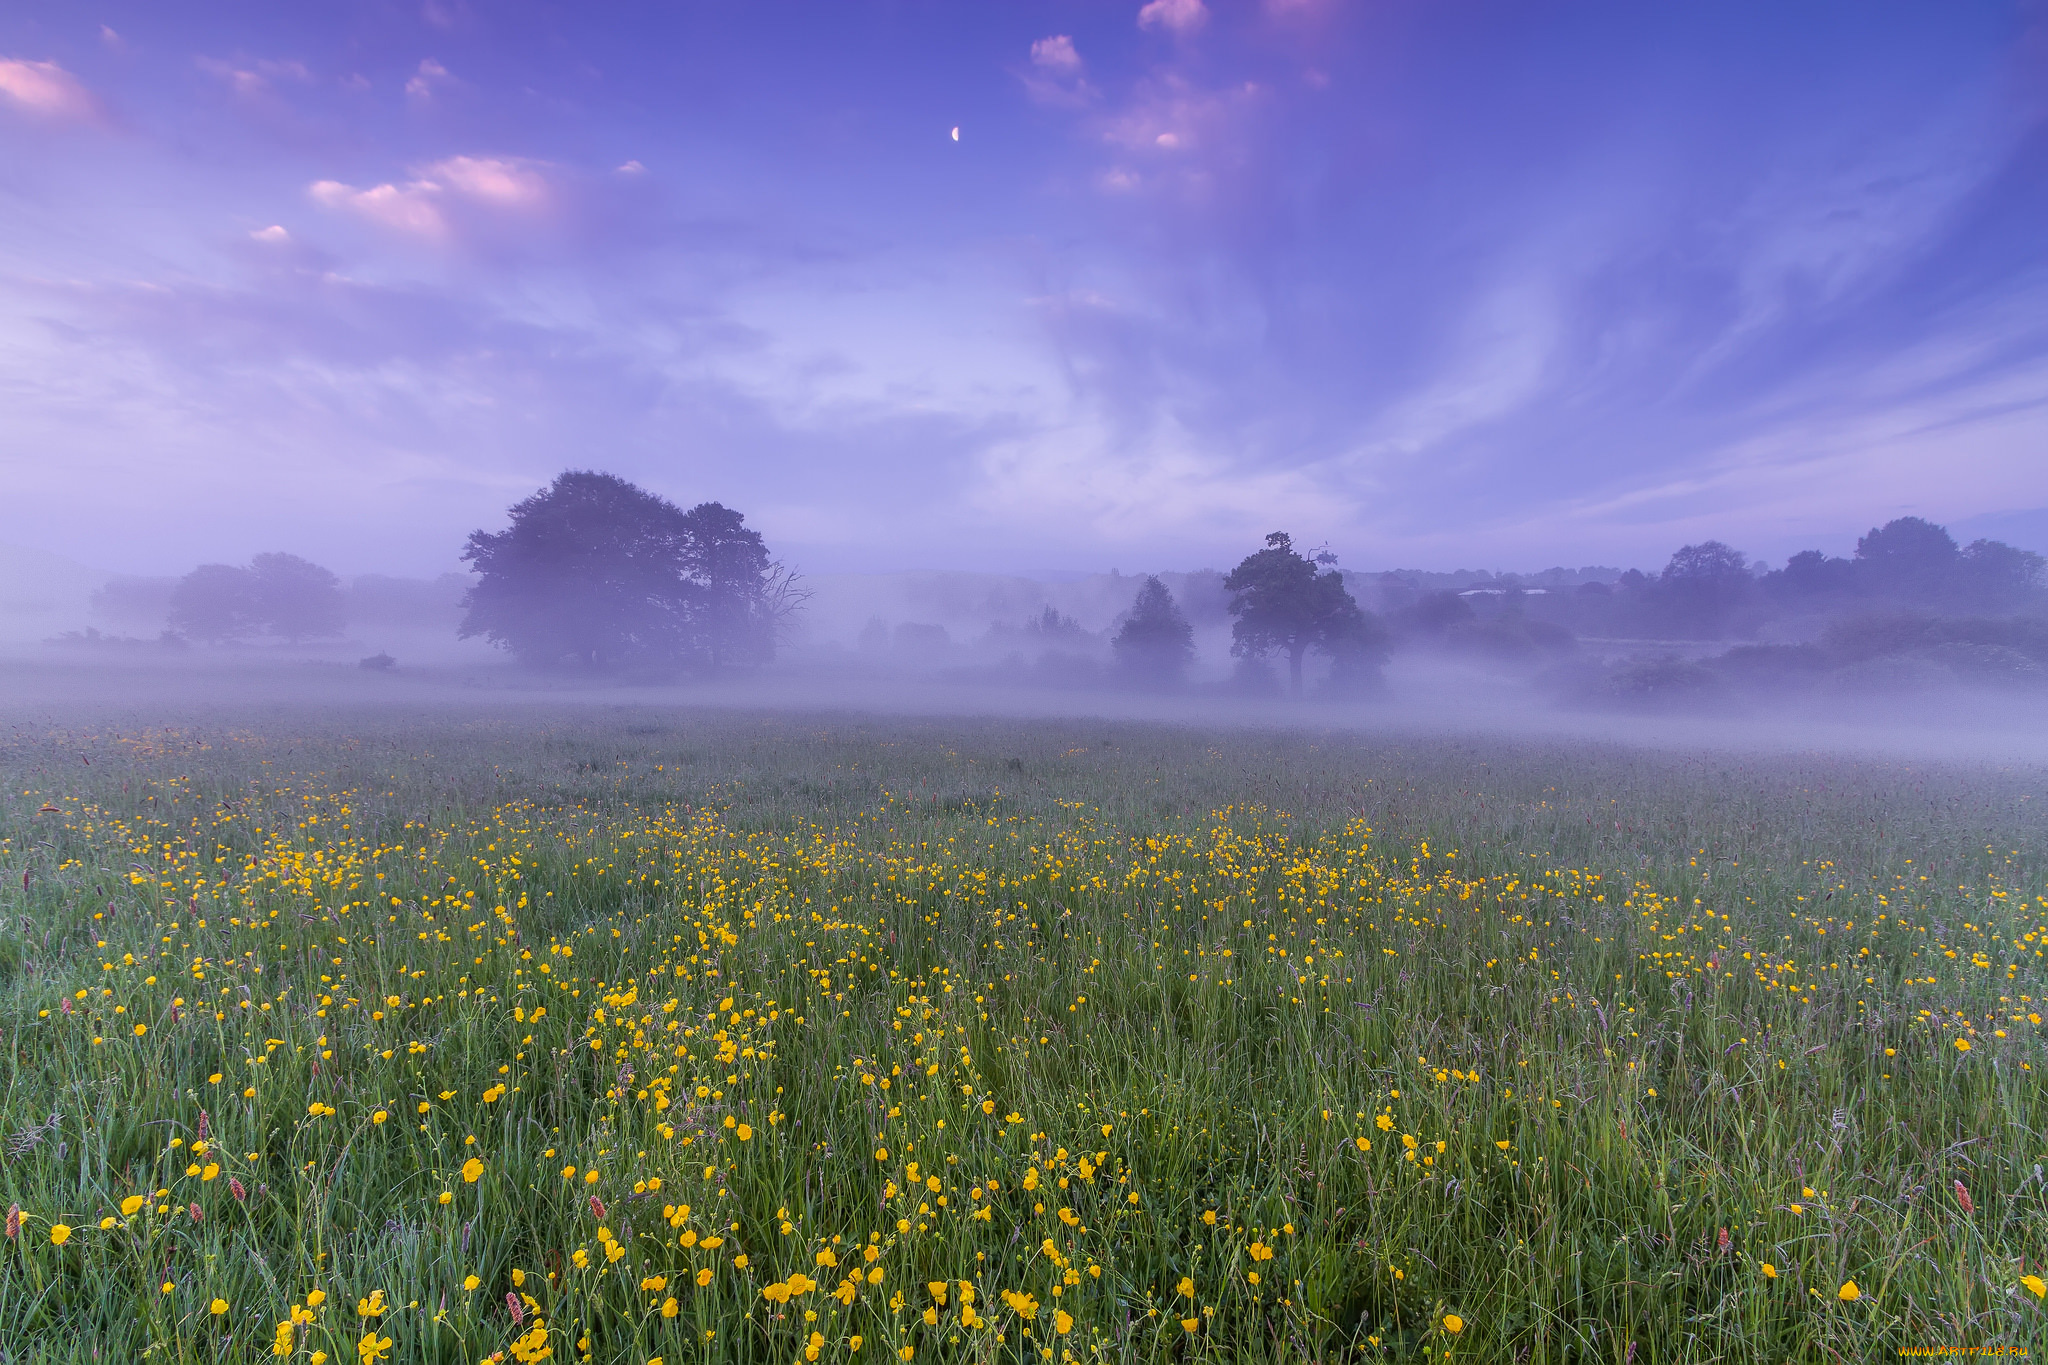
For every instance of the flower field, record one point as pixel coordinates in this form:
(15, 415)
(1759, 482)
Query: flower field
(685, 1038)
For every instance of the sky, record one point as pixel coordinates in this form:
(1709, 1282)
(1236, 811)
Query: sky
(1021, 287)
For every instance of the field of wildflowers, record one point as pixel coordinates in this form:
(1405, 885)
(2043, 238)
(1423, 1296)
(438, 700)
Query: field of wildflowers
(667, 1036)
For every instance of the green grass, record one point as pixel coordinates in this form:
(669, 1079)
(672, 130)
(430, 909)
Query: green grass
(1628, 1006)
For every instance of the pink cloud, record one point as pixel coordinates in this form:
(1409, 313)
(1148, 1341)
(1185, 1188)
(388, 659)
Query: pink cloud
(430, 77)
(504, 182)
(1056, 54)
(411, 209)
(46, 90)
(421, 207)
(1181, 16)
(1055, 75)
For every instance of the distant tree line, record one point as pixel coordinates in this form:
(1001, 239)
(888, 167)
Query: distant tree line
(594, 572)
(1711, 591)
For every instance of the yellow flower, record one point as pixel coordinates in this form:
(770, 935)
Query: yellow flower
(372, 1306)
(212, 1171)
(1962, 1044)
(470, 1282)
(472, 1169)
(106, 1224)
(518, 1278)
(316, 1298)
(371, 1348)
(1209, 1217)
(1190, 1324)
(744, 1132)
(217, 1307)
(1453, 1323)
(132, 1205)
(1770, 1271)
(1503, 1144)
(141, 1029)
(60, 1233)
(380, 1116)
(580, 1258)
(2037, 1284)
(1186, 1288)
(704, 1277)
(1062, 1322)
(1364, 1144)
(669, 1308)
(447, 1197)
(1849, 1293)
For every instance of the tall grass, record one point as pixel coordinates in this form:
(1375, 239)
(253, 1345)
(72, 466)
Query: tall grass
(732, 1037)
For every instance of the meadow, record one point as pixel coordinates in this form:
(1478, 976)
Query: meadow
(640, 1034)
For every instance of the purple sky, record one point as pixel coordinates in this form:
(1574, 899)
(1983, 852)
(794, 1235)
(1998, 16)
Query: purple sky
(1438, 282)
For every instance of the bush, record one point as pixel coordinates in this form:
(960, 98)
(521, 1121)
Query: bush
(1996, 664)
(1772, 666)
(1890, 675)
(1662, 679)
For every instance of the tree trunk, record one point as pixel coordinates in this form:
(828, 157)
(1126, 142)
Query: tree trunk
(1294, 669)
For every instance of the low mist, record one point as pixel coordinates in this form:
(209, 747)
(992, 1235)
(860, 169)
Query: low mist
(1915, 645)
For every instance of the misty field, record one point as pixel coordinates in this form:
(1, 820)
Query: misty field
(636, 1034)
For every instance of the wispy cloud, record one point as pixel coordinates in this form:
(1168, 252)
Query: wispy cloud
(254, 78)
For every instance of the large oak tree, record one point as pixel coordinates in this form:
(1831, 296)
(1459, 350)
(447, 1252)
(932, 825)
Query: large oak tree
(596, 571)
(1286, 602)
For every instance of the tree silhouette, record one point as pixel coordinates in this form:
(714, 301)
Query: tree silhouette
(215, 603)
(731, 621)
(596, 571)
(294, 597)
(1909, 557)
(1701, 588)
(1156, 643)
(1282, 603)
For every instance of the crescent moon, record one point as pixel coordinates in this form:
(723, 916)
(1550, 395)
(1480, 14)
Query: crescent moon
(956, 134)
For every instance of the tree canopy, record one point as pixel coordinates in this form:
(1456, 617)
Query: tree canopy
(1156, 643)
(596, 571)
(1287, 603)
(1701, 588)
(275, 594)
